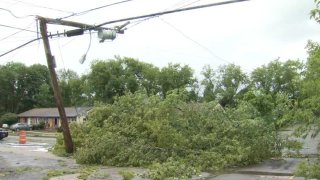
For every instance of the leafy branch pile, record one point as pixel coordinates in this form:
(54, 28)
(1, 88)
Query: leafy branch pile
(137, 130)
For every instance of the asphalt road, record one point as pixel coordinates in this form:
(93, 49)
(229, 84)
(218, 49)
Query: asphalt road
(28, 161)
(47, 142)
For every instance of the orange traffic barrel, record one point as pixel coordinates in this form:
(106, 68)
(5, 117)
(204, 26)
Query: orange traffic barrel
(22, 137)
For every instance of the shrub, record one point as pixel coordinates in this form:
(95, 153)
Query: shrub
(9, 118)
(39, 126)
(308, 170)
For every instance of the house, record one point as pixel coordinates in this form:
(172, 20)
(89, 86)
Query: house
(51, 117)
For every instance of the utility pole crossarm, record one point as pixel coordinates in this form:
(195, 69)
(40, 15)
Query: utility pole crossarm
(70, 23)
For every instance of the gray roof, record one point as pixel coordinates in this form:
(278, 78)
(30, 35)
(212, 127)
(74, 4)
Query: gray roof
(53, 112)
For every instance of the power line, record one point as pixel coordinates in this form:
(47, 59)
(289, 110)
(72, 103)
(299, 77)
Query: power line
(18, 17)
(93, 9)
(177, 4)
(44, 7)
(17, 28)
(33, 40)
(194, 41)
(24, 44)
(190, 3)
(170, 12)
(20, 30)
(132, 18)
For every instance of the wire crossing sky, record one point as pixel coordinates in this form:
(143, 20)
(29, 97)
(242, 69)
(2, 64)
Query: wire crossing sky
(248, 34)
(129, 18)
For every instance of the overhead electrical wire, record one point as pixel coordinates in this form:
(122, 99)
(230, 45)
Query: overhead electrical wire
(170, 12)
(20, 30)
(18, 17)
(189, 4)
(194, 41)
(31, 41)
(177, 4)
(94, 9)
(17, 28)
(57, 35)
(138, 17)
(22, 45)
(43, 7)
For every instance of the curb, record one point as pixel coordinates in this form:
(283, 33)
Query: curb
(264, 173)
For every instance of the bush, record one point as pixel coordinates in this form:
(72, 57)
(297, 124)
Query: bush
(8, 118)
(39, 126)
(308, 170)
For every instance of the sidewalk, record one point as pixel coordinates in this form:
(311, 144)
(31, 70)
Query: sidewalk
(281, 167)
(268, 170)
(276, 168)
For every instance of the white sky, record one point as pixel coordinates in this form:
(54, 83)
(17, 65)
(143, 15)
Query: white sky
(248, 34)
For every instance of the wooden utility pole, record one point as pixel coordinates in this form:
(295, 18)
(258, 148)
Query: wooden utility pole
(51, 65)
(57, 94)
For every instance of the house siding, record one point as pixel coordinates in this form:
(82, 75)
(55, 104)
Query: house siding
(51, 118)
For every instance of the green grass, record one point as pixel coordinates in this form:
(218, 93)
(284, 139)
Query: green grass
(57, 172)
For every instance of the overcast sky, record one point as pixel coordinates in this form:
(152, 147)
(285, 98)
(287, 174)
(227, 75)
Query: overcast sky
(248, 34)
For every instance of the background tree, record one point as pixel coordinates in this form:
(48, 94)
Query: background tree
(279, 77)
(8, 118)
(310, 96)
(20, 86)
(175, 76)
(36, 76)
(12, 85)
(315, 13)
(209, 92)
(231, 84)
(112, 78)
(45, 97)
(72, 88)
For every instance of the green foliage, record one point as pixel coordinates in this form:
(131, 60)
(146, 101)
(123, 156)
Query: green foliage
(44, 98)
(279, 77)
(78, 131)
(112, 78)
(307, 113)
(126, 174)
(208, 82)
(231, 84)
(137, 130)
(57, 172)
(171, 169)
(19, 86)
(23, 169)
(308, 170)
(8, 118)
(39, 126)
(226, 86)
(87, 171)
(315, 13)
(59, 148)
(175, 76)
(73, 88)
